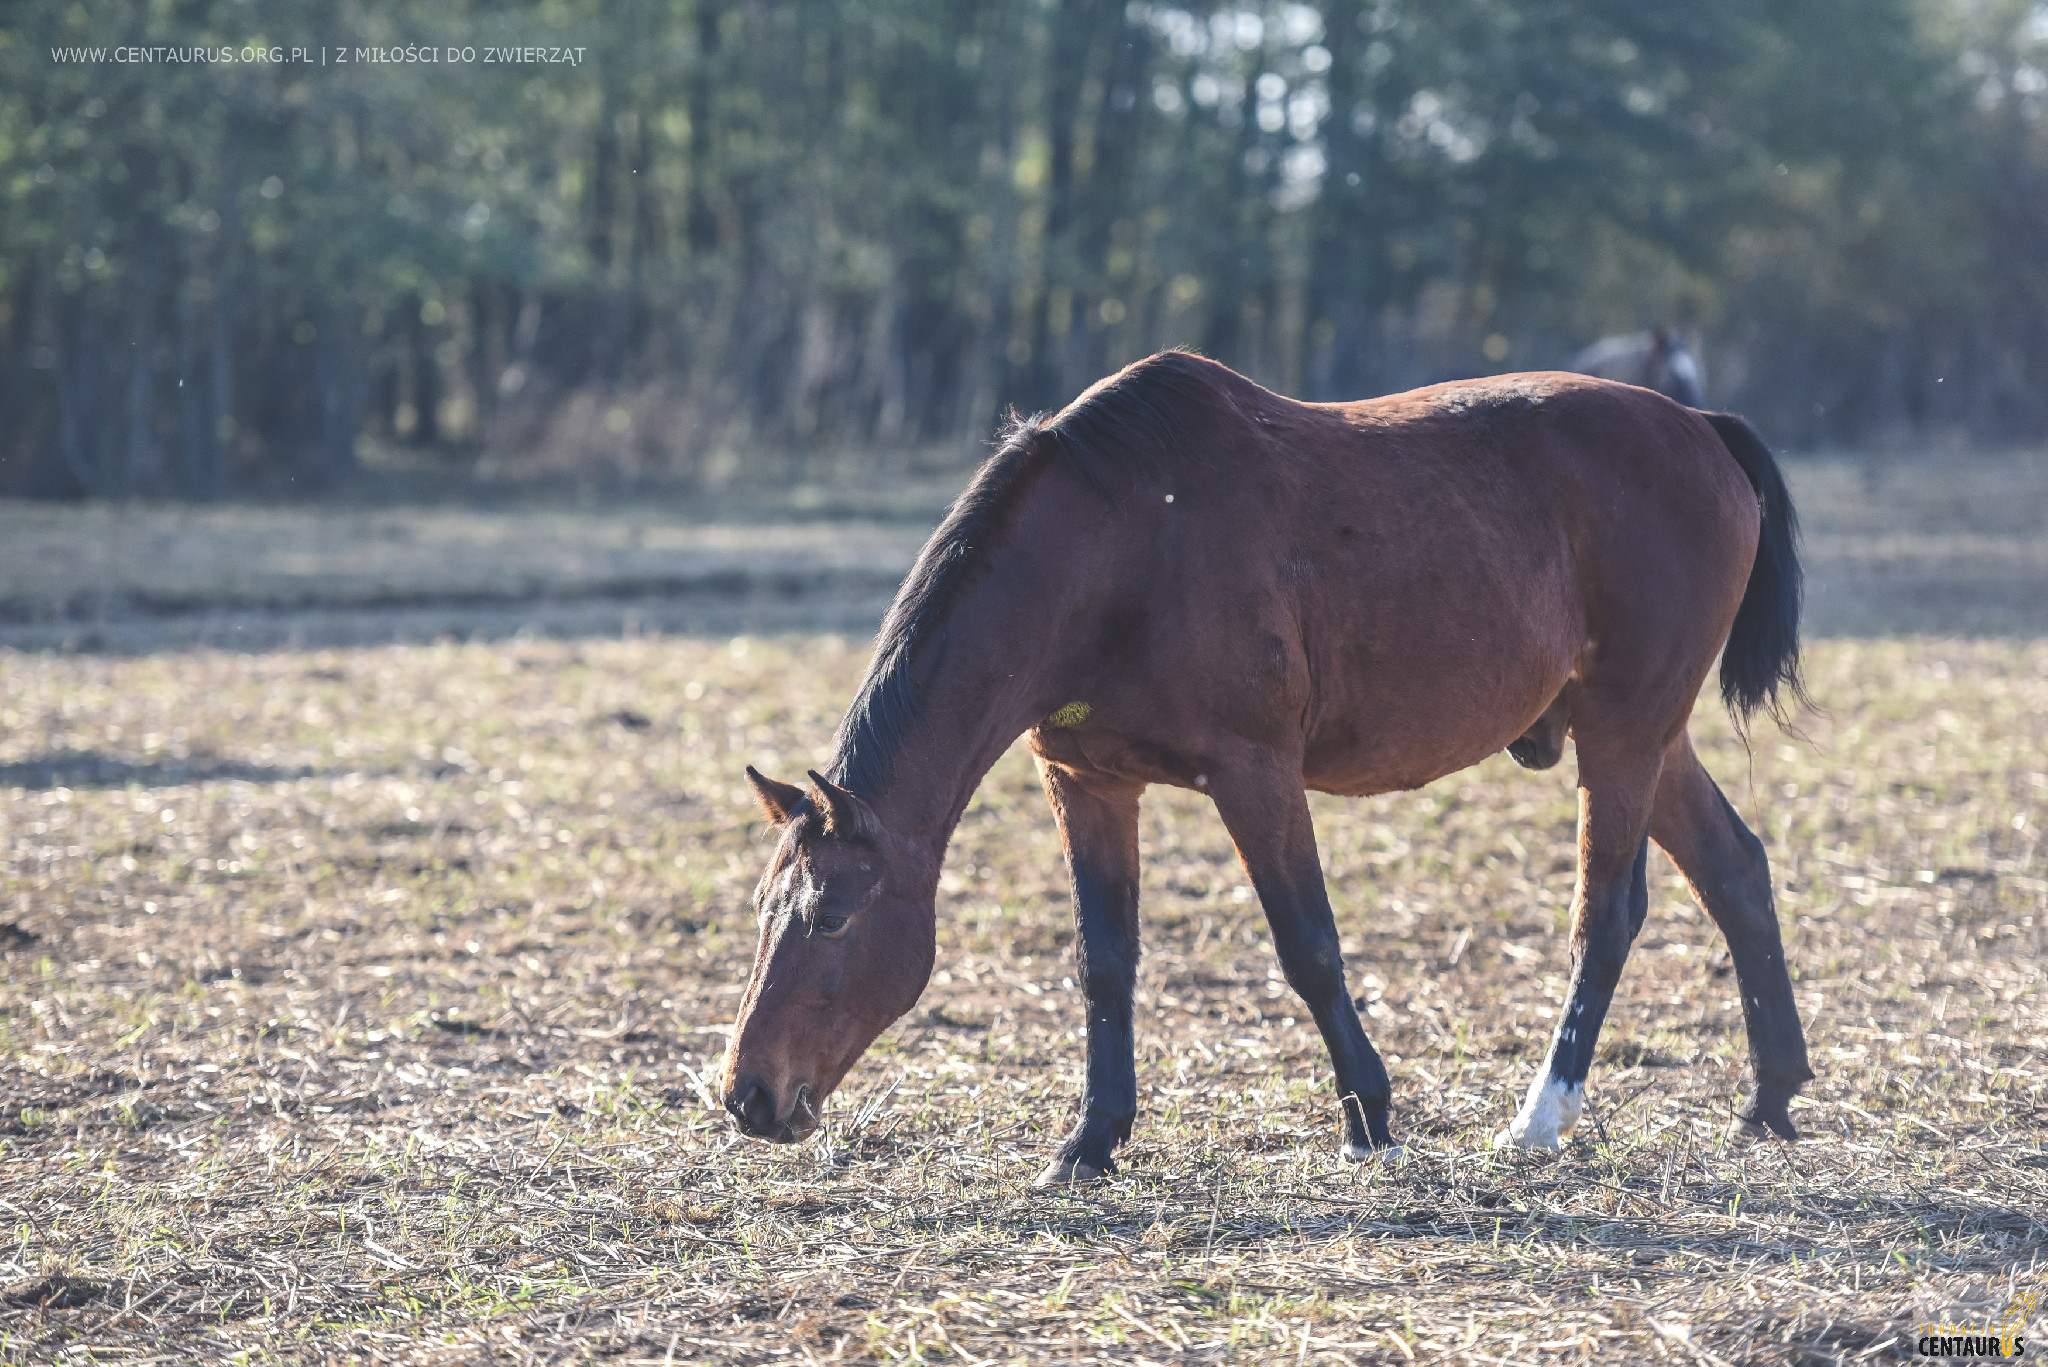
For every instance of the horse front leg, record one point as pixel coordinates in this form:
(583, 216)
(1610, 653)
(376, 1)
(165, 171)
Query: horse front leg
(1266, 812)
(1098, 821)
(1607, 910)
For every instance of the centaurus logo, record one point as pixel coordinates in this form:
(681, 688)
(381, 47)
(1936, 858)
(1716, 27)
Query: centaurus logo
(1957, 1338)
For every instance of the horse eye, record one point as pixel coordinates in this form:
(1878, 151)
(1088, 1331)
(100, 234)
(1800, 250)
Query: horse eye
(829, 924)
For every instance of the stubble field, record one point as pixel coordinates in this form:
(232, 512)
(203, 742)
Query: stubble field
(363, 1003)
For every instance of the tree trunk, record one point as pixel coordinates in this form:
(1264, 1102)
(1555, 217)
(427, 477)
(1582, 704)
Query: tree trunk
(1071, 32)
(1117, 130)
(701, 218)
(195, 445)
(1339, 269)
(337, 367)
(220, 433)
(139, 464)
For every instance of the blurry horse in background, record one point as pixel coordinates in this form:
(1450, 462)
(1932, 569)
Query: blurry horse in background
(1655, 359)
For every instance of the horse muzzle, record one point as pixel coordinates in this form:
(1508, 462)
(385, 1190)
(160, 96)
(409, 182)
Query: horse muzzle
(755, 1112)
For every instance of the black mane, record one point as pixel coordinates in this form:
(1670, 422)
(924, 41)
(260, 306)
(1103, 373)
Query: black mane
(1125, 429)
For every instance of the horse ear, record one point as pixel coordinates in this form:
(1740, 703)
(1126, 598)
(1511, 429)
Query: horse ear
(777, 800)
(845, 813)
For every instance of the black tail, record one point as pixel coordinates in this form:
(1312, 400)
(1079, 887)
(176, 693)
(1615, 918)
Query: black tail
(1762, 654)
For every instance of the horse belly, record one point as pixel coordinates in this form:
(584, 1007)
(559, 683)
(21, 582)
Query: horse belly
(1395, 715)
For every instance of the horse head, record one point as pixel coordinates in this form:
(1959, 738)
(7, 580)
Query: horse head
(848, 933)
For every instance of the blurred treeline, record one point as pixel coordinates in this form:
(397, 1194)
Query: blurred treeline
(848, 233)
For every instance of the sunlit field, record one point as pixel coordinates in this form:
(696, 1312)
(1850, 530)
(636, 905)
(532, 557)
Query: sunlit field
(366, 1003)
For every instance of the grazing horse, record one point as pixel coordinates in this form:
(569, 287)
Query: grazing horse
(1182, 578)
(1655, 359)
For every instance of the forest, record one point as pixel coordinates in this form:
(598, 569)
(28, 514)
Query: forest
(270, 249)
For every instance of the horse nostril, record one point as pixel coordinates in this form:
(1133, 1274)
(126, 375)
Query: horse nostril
(753, 1106)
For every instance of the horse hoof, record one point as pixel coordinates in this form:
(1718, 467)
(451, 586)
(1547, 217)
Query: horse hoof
(1392, 1155)
(1508, 1139)
(1749, 1127)
(1067, 1172)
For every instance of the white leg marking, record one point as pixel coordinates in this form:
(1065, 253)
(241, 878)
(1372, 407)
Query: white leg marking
(1547, 1115)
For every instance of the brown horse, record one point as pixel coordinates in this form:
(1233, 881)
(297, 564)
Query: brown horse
(1183, 578)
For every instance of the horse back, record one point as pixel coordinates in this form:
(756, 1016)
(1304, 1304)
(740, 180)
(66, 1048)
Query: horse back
(1399, 587)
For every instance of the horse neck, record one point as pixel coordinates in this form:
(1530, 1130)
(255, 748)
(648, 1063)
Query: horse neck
(995, 669)
(964, 722)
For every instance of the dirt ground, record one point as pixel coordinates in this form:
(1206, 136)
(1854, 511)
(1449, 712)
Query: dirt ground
(359, 1001)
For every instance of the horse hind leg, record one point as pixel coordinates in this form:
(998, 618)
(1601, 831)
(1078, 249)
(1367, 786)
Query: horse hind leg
(1542, 745)
(1615, 794)
(1725, 865)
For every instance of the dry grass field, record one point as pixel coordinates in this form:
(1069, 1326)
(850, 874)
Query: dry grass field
(360, 1004)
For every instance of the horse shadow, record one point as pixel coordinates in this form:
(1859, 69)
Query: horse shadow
(1651, 1238)
(92, 769)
